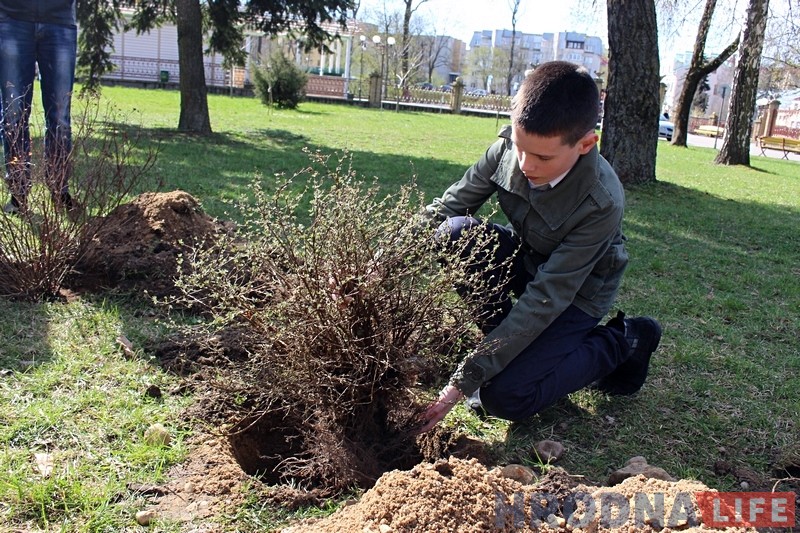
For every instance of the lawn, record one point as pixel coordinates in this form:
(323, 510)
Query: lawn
(714, 256)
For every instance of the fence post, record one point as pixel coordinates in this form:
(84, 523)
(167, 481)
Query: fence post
(375, 86)
(772, 114)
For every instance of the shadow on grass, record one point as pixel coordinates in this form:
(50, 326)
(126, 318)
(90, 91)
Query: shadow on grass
(222, 166)
(23, 336)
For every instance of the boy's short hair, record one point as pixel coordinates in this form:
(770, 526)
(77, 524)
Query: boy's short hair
(557, 98)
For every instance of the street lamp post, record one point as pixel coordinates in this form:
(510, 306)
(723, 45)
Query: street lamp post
(719, 117)
(363, 40)
(376, 39)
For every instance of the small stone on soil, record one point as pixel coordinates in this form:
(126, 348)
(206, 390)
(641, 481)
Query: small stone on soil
(143, 518)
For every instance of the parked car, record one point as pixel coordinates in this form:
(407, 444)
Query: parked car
(424, 85)
(665, 127)
(447, 88)
(477, 92)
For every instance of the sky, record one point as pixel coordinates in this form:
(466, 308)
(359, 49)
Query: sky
(460, 18)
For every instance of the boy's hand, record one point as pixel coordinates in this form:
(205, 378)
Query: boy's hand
(438, 409)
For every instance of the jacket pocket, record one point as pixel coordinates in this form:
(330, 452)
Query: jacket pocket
(607, 271)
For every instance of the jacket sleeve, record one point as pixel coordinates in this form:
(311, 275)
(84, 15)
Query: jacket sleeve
(468, 194)
(551, 291)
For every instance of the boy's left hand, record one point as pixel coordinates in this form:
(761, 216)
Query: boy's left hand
(439, 409)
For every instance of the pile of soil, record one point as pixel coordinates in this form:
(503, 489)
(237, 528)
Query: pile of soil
(462, 495)
(136, 245)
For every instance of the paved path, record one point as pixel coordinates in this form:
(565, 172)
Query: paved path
(708, 142)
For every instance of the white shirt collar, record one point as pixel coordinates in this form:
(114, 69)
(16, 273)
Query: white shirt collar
(550, 184)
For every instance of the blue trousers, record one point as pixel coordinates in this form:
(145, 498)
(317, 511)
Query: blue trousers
(572, 352)
(52, 47)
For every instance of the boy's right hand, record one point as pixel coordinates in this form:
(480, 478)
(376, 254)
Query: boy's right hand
(448, 397)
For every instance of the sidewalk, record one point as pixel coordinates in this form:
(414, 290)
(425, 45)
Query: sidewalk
(708, 142)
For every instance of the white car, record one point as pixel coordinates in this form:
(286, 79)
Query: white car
(665, 128)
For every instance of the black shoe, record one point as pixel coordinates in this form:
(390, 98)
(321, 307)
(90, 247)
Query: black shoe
(643, 335)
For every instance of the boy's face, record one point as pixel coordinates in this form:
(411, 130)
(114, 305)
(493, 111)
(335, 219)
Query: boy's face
(542, 159)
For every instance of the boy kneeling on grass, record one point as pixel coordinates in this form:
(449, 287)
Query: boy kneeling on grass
(567, 255)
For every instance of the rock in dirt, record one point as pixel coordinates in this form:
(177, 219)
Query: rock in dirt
(549, 450)
(519, 473)
(143, 518)
(638, 466)
(157, 435)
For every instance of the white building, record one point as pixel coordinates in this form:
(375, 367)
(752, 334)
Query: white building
(532, 49)
(720, 82)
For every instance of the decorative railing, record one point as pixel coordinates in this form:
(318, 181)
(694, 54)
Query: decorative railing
(147, 69)
(786, 131)
(414, 95)
(330, 86)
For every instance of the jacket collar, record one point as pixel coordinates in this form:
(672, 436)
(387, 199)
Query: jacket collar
(554, 205)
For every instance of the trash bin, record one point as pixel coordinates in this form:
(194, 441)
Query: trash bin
(164, 76)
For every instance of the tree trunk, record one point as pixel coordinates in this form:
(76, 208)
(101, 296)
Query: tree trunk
(510, 75)
(630, 123)
(736, 142)
(406, 36)
(194, 115)
(698, 70)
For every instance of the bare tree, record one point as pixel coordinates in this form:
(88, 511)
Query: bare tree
(698, 70)
(405, 42)
(736, 142)
(435, 51)
(630, 126)
(780, 68)
(483, 62)
(514, 5)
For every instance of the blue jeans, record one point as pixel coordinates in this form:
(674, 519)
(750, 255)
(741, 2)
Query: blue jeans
(571, 353)
(53, 47)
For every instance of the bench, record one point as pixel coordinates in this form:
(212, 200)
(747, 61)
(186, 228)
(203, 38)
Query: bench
(710, 131)
(783, 144)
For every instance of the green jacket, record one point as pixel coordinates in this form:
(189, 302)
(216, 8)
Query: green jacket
(573, 241)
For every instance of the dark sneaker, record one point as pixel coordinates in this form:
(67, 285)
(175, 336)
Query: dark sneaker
(643, 335)
(474, 403)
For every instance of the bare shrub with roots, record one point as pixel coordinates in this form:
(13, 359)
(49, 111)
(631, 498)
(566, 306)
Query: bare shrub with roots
(40, 245)
(347, 309)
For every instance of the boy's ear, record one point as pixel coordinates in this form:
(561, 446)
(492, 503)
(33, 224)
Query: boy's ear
(587, 142)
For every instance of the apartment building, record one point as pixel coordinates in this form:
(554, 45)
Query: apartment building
(532, 49)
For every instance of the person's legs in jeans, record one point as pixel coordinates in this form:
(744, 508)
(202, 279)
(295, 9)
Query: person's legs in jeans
(570, 354)
(55, 52)
(17, 69)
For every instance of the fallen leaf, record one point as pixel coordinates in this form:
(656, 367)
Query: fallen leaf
(44, 463)
(126, 345)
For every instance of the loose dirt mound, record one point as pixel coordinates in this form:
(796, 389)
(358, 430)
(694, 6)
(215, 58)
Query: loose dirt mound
(203, 488)
(137, 244)
(462, 495)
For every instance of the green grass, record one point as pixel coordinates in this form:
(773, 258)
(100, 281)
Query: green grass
(68, 391)
(714, 256)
